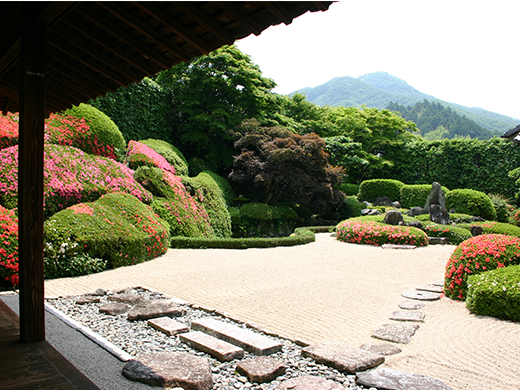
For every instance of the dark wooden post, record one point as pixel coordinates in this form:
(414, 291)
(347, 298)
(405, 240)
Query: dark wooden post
(30, 181)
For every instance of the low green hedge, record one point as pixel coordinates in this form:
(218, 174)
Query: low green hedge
(471, 202)
(369, 190)
(494, 228)
(495, 293)
(299, 237)
(263, 220)
(456, 234)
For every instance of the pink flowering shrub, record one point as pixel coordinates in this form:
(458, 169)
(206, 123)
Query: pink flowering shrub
(8, 130)
(376, 233)
(70, 176)
(139, 154)
(9, 246)
(476, 255)
(117, 228)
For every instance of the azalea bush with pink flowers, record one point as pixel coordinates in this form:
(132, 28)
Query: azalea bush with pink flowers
(476, 255)
(8, 130)
(117, 228)
(9, 246)
(375, 233)
(70, 176)
(139, 154)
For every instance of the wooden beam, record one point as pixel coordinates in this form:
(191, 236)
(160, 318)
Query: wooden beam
(241, 17)
(206, 22)
(279, 10)
(30, 181)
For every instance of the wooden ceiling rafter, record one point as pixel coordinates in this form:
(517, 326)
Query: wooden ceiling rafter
(241, 16)
(279, 10)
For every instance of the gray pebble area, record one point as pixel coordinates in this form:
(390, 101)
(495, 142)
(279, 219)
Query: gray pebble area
(137, 338)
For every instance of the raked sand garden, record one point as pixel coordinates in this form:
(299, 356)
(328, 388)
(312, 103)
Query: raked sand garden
(332, 291)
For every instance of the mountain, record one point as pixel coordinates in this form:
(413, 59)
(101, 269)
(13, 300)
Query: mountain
(378, 89)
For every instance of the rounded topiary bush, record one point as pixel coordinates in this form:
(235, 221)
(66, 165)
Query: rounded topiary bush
(494, 228)
(70, 176)
(495, 293)
(476, 255)
(349, 189)
(139, 154)
(227, 191)
(455, 234)
(370, 190)
(117, 228)
(376, 233)
(170, 153)
(471, 202)
(102, 137)
(8, 130)
(263, 220)
(502, 207)
(415, 195)
(9, 246)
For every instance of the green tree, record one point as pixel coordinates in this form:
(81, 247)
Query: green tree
(211, 95)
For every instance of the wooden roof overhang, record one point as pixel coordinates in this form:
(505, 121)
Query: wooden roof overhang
(57, 54)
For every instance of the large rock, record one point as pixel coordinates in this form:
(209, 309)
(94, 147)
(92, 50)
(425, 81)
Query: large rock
(439, 215)
(131, 299)
(171, 370)
(343, 357)
(388, 379)
(394, 217)
(261, 369)
(395, 332)
(414, 211)
(383, 201)
(309, 383)
(114, 308)
(154, 309)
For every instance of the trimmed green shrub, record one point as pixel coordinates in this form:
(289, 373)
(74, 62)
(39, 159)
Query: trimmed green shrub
(8, 130)
(103, 132)
(471, 202)
(262, 220)
(369, 190)
(476, 255)
(198, 165)
(464, 218)
(495, 293)
(70, 176)
(299, 237)
(455, 234)
(227, 191)
(376, 233)
(139, 154)
(352, 207)
(349, 189)
(9, 246)
(173, 155)
(208, 192)
(415, 195)
(494, 228)
(117, 228)
(80, 264)
(502, 207)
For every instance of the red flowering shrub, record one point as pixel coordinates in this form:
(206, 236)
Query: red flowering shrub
(375, 233)
(70, 176)
(9, 246)
(8, 130)
(476, 255)
(139, 154)
(117, 228)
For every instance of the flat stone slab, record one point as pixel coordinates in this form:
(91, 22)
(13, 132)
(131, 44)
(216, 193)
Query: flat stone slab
(438, 240)
(388, 379)
(438, 283)
(88, 299)
(131, 299)
(381, 348)
(154, 309)
(243, 338)
(309, 383)
(168, 326)
(397, 246)
(219, 349)
(171, 370)
(343, 357)
(431, 288)
(114, 308)
(261, 369)
(416, 316)
(421, 295)
(408, 304)
(396, 332)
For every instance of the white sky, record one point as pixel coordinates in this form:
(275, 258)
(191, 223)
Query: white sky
(464, 52)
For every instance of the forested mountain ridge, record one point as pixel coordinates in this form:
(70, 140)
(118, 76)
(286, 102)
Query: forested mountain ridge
(378, 89)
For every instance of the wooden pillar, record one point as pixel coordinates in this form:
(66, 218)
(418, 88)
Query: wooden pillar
(30, 181)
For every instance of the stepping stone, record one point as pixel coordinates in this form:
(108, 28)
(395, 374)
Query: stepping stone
(438, 240)
(397, 333)
(114, 309)
(154, 309)
(417, 316)
(396, 246)
(168, 326)
(408, 304)
(217, 348)
(243, 338)
(421, 295)
(438, 283)
(261, 369)
(131, 299)
(431, 288)
(381, 348)
(386, 378)
(171, 370)
(88, 299)
(100, 292)
(309, 383)
(343, 357)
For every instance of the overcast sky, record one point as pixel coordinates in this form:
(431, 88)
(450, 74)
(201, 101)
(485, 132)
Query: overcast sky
(464, 52)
